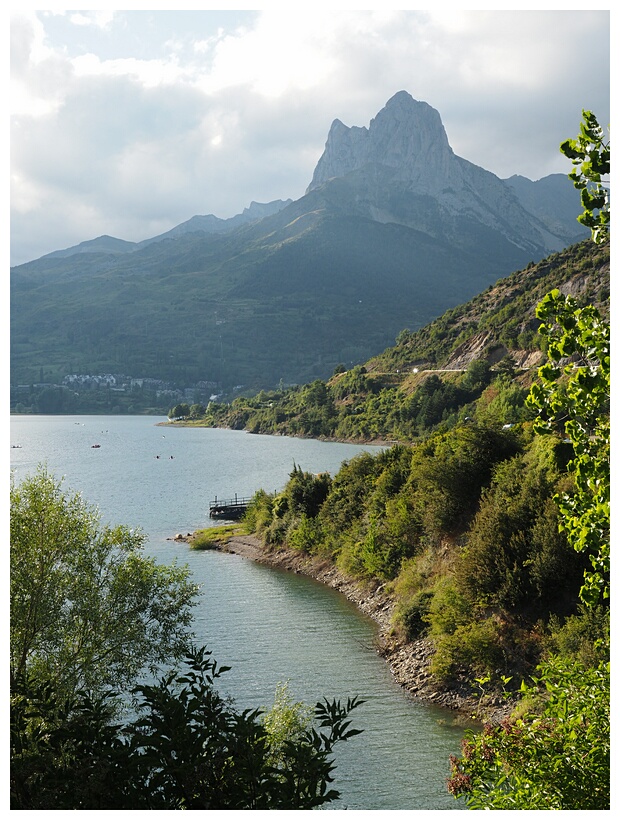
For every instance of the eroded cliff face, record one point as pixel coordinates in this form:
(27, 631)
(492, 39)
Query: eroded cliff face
(405, 171)
(406, 135)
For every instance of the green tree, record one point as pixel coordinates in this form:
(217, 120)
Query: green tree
(590, 154)
(556, 759)
(574, 399)
(515, 560)
(305, 492)
(449, 471)
(196, 411)
(87, 607)
(477, 376)
(179, 411)
(285, 722)
(188, 748)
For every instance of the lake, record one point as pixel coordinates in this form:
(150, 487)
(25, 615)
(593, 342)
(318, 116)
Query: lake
(270, 626)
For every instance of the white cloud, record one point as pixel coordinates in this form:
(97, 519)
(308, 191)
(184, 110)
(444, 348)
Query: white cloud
(37, 81)
(98, 19)
(149, 73)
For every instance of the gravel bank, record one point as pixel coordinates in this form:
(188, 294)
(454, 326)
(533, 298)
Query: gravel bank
(408, 661)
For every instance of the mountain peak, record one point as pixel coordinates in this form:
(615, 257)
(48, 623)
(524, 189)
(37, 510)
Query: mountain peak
(406, 135)
(401, 169)
(403, 101)
(401, 98)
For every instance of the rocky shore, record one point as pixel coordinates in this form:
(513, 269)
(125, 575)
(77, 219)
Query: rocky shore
(408, 661)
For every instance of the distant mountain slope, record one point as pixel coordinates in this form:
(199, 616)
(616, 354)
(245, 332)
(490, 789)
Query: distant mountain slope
(550, 200)
(213, 224)
(439, 373)
(102, 244)
(502, 320)
(208, 224)
(403, 231)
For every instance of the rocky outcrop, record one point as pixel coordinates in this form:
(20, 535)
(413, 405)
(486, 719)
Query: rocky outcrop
(407, 136)
(406, 149)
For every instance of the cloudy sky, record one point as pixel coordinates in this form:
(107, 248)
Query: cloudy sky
(130, 122)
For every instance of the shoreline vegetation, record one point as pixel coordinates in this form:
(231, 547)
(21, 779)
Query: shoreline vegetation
(373, 442)
(408, 661)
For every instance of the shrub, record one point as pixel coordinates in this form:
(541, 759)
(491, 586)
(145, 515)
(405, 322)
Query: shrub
(474, 647)
(259, 512)
(515, 558)
(558, 759)
(448, 608)
(305, 536)
(413, 617)
(583, 637)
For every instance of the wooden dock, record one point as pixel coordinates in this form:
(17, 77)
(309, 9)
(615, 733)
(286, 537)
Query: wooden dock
(230, 510)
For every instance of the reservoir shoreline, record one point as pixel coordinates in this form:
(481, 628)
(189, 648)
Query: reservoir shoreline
(269, 626)
(408, 661)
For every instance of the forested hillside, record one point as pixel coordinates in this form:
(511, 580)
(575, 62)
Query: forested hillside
(477, 360)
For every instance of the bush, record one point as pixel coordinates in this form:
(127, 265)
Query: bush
(449, 608)
(558, 759)
(515, 559)
(583, 637)
(472, 648)
(306, 535)
(449, 471)
(413, 617)
(258, 514)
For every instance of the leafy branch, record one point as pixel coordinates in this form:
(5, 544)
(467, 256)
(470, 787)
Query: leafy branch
(590, 154)
(573, 398)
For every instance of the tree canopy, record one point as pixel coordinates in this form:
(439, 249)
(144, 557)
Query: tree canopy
(187, 748)
(591, 154)
(88, 608)
(574, 399)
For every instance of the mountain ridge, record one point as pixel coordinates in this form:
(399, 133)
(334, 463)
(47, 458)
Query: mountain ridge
(415, 150)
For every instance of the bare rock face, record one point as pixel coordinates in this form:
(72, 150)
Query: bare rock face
(406, 135)
(403, 170)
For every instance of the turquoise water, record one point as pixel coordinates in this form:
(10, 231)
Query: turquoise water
(268, 625)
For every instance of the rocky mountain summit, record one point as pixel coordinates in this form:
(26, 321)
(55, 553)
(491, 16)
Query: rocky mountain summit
(404, 167)
(406, 136)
